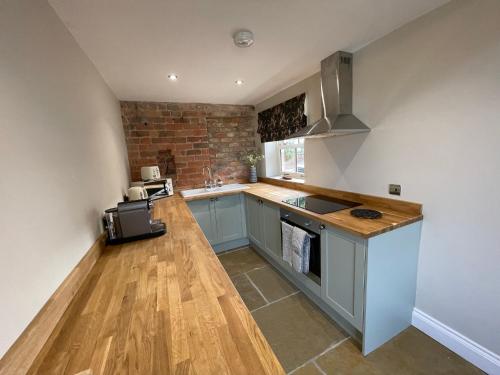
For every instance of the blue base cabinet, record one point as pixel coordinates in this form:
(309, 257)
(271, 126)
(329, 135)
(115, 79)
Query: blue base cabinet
(230, 218)
(371, 283)
(367, 285)
(271, 223)
(254, 223)
(342, 274)
(264, 226)
(222, 220)
(204, 213)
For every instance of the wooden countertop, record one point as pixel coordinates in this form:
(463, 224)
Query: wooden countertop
(210, 326)
(395, 213)
(391, 219)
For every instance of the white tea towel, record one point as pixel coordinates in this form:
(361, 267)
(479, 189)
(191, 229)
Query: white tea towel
(286, 245)
(301, 246)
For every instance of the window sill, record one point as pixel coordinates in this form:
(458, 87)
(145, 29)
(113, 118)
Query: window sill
(296, 180)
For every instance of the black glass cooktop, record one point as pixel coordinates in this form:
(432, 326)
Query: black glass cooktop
(320, 204)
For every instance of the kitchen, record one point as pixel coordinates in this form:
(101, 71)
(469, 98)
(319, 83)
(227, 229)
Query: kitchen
(125, 132)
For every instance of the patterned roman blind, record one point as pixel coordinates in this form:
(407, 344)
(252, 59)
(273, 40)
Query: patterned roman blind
(284, 119)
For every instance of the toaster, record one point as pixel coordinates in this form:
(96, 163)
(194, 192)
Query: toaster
(150, 173)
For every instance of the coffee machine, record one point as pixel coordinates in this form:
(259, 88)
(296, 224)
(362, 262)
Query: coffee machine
(131, 221)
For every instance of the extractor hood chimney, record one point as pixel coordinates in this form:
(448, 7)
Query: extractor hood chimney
(336, 96)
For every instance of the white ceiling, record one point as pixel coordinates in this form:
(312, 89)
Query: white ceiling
(135, 44)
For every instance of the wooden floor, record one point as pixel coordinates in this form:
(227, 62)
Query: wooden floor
(160, 306)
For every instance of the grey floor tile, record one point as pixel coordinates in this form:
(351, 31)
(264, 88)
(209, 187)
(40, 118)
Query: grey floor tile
(346, 359)
(247, 291)
(411, 352)
(308, 369)
(296, 330)
(240, 261)
(272, 285)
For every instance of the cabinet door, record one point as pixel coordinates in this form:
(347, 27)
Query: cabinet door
(254, 225)
(203, 212)
(342, 275)
(271, 227)
(229, 214)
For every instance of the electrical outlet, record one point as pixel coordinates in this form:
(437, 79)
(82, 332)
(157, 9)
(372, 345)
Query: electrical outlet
(395, 189)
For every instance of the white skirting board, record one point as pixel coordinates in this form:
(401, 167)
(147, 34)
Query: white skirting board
(481, 357)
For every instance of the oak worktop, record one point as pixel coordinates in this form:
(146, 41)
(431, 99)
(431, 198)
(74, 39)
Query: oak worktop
(162, 305)
(395, 213)
(210, 325)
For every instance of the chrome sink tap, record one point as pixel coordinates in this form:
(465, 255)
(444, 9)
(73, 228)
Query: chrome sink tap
(208, 183)
(218, 181)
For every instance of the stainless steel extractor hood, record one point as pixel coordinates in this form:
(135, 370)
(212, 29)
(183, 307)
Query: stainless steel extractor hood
(336, 96)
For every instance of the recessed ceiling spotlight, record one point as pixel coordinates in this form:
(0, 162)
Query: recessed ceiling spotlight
(243, 38)
(239, 82)
(173, 77)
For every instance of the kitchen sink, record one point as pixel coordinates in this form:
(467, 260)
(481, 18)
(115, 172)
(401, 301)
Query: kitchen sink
(221, 189)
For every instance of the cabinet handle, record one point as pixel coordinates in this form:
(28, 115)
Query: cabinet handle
(322, 226)
(307, 223)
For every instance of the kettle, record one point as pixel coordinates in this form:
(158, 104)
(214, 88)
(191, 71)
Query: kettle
(136, 193)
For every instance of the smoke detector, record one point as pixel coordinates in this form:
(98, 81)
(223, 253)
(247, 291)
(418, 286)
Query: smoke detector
(243, 38)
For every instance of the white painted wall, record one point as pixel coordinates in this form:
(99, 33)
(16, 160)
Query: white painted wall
(430, 91)
(62, 159)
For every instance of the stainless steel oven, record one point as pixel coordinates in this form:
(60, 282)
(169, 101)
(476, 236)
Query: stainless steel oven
(314, 228)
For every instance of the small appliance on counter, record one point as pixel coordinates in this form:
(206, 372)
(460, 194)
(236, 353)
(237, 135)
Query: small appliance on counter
(131, 221)
(169, 187)
(151, 189)
(150, 173)
(136, 193)
(160, 188)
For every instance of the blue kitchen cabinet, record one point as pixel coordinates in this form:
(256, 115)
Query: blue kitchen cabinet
(264, 226)
(254, 220)
(343, 272)
(222, 220)
(371, 283)
(367, 285)
(230, 218)
(204, 213)
(271, 228)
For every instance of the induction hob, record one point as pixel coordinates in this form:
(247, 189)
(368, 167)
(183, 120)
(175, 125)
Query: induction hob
(320, 204)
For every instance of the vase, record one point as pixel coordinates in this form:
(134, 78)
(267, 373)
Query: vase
(253, 174)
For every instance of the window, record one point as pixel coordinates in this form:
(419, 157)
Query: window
(291, 153)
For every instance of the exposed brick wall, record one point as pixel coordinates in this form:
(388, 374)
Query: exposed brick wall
(228, 138)
(186, 137)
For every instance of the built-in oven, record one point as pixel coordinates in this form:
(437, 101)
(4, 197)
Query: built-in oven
(313, 228)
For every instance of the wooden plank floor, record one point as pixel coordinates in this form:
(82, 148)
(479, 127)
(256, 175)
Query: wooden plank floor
(159, 306)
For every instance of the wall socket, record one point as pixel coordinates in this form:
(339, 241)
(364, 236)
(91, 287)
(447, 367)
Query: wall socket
(394, 189)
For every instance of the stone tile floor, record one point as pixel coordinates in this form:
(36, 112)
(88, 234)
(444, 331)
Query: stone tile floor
(307, 342)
